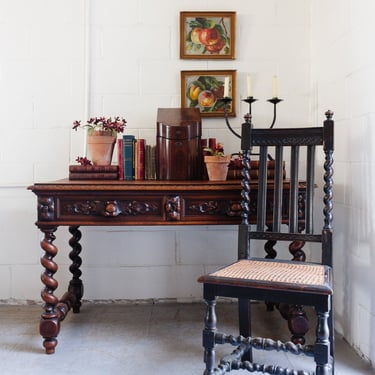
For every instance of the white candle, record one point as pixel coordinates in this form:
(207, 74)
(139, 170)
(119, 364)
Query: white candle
(249, 86)
(226, 87)
(274, 87)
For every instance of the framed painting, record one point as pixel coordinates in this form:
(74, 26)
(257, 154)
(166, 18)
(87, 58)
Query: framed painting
(207, 35)
(203, 89)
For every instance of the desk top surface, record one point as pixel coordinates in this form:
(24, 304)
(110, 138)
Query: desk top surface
(66, 184)
(160, 185)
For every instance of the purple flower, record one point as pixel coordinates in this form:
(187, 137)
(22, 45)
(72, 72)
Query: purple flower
(76, 124)
(83, 160)
(114, 126)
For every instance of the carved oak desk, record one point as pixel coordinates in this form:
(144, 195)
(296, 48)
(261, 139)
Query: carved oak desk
(111, 203)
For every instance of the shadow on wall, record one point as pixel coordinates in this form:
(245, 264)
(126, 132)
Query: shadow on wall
(356, 249)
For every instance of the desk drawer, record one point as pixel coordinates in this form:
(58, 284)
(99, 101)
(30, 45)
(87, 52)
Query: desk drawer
(109, 209)
(140, 209)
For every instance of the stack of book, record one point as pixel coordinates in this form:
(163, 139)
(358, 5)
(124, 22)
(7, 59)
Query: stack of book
(93, 172)
(235, 169)
(136, 159)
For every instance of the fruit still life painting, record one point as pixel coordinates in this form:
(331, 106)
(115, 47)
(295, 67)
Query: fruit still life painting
(207, 35)
(205, 90)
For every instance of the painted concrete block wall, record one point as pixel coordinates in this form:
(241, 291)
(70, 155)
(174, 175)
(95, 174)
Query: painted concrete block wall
(63, 60)
(343, 67)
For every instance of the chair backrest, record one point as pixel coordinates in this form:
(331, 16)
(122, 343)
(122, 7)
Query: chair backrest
(285, 188)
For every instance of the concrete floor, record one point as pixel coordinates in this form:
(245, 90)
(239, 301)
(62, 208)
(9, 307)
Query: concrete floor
(120, 338)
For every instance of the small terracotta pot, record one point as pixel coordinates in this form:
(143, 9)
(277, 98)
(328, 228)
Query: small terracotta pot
(217, 167)
(101, 148)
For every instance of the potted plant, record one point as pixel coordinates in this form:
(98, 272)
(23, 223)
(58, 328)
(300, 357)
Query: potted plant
(216, 163)
(101, 137)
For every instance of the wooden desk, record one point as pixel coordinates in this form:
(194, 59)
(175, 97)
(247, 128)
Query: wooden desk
(111, 203)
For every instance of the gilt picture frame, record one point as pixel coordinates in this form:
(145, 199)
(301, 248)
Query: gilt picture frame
(207, 35)
(203, 89)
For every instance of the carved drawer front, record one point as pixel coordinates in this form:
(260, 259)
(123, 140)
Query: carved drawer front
(212, 208)
(159, 205)
(112, 209)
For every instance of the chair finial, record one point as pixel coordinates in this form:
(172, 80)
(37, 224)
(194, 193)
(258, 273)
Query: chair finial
(247, 118)
(329, 114)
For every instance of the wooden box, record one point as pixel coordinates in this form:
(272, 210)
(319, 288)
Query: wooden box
(178, 144)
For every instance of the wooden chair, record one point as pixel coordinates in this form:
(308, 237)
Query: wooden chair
(280, 281)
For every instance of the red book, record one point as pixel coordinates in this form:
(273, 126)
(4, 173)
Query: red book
(140, 159)
(93, 168)
(212, 143)
(120, 159)
(93, 176)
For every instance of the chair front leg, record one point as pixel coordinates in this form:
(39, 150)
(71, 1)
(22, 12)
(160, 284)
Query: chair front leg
(322, 344)
(209, 336)
(244, 318)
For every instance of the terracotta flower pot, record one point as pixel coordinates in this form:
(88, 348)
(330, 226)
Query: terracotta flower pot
(101, 148)
(217, 167)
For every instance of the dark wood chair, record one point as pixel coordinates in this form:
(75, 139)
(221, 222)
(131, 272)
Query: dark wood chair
(290, 282)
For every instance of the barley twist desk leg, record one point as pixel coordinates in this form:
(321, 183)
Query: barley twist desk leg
(75, 285)
(49, 322)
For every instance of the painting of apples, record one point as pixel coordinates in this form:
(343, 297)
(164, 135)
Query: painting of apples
(204, 89)
(207, 35)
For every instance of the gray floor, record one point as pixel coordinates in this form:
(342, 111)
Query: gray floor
(119, 338)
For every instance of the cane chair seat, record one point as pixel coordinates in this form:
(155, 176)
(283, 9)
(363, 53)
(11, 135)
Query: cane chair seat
(286, 275)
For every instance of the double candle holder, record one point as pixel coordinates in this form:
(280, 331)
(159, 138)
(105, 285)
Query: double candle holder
(250, 100)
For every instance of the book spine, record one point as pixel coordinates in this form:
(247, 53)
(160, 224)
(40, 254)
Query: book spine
(153, 163)
(147, 161)
(93, 168)
(140, 160)
(93, 176)
(128, 156)
(134, 159)
(120, 159)
(150, 162)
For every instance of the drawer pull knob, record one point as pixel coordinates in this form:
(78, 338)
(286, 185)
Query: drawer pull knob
(112, 209)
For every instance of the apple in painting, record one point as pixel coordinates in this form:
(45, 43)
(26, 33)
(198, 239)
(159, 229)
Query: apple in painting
(217, 47)
(206, 98)
(209, 37)
(194, 36)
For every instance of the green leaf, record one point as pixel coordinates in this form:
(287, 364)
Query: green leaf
(221, 33)
(195, 23)
(193, 103)
(197, 47)
(209, 24)
(219, 104)
(211, 82)
(199, 83)
(201, 21)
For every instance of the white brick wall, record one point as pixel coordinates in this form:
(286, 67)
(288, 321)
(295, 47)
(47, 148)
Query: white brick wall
(323, 55)
(343, 66)
(133, 68)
